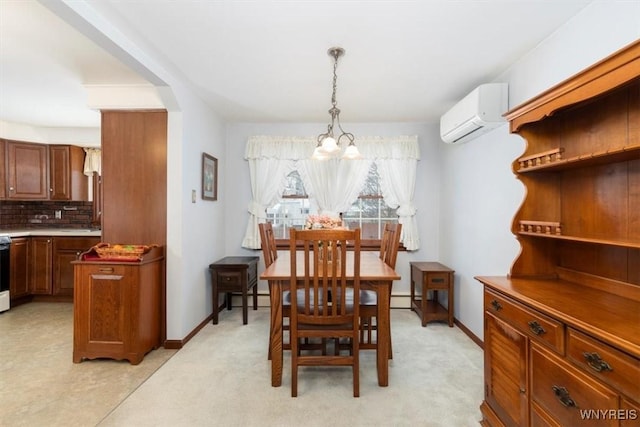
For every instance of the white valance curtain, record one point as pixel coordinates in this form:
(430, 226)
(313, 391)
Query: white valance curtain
(92, 161)
(333, 185)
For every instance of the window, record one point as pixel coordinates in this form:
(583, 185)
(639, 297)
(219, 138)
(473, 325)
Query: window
(271, 158)
(369, 212)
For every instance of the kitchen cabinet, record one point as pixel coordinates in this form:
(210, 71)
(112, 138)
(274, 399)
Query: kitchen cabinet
(19, 268)
(27, 171)
(567, 313)
(42, 172)
(41, 265)
(65, 251)
(67, 179)
(117, 308)
(96, 214)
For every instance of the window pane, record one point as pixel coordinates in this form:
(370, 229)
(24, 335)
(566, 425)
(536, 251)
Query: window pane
(369, 212)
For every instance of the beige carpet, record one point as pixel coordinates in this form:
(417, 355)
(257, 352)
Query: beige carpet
(222, 378)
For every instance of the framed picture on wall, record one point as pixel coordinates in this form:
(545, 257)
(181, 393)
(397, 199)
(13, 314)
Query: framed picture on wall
(209, 177)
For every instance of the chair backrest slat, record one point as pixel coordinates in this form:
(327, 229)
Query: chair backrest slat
(390, 243)
(268, 243)
(325, 295)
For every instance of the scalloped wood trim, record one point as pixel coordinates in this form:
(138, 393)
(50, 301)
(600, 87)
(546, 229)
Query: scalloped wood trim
(613, 71)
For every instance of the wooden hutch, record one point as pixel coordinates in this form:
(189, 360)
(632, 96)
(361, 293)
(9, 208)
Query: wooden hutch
(562, 330)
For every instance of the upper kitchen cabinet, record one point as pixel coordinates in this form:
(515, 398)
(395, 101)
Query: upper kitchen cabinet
(31, 171)
(67, 179)
(27, 171)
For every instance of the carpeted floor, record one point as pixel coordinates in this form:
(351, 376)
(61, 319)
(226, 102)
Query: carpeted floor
(222, 378)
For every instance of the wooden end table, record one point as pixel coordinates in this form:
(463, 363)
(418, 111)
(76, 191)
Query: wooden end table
(431, 276)
(234, 274)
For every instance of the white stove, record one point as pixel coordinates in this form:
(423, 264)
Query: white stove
(5, 245)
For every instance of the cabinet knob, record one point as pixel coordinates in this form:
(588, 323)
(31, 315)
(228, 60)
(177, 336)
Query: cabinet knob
(596, 363)
(11, 188)
(51, 190)
(496, 305)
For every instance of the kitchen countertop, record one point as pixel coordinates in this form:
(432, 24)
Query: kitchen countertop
(69, 232)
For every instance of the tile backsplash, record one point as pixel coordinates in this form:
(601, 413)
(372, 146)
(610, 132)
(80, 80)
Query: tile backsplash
(19, 214)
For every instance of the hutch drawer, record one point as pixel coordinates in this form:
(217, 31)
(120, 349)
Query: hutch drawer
(606, 363)
(537, 326)
(565, 392)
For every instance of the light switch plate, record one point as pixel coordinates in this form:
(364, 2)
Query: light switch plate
(193, 196)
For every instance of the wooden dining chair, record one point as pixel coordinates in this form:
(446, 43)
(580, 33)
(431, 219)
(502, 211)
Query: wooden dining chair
(325, 303)
(270, 252)
(389, 245)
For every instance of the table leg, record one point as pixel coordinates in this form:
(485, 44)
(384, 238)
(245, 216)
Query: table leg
(215, 297)
(276, 336)
(245, 304)
(384, 333)
(255, 297)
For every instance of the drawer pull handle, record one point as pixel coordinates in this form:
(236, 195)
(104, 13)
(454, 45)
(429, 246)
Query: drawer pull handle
(106, 270)
(496, 305)
(437, 280)
(563, 396)
(596, 363)
(536, 328)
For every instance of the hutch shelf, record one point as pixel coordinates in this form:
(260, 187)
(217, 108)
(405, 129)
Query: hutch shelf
(562, 329)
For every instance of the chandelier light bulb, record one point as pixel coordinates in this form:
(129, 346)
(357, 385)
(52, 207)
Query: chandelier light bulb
(329, 145)
(352, 152)
(319, 154)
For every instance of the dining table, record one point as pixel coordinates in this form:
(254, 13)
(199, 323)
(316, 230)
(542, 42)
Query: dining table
(372, 269)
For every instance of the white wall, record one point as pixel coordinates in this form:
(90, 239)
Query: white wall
(479, 194)
(426, 196)
(194, 230)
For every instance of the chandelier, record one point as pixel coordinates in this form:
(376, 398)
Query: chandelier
(328, 144)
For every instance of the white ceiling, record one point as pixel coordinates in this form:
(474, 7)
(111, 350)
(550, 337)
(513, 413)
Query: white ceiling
(266, 61)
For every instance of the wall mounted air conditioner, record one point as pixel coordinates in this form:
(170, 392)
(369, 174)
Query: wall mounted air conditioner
(476, 114)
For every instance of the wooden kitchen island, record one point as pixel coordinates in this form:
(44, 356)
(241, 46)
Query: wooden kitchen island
(116, 311)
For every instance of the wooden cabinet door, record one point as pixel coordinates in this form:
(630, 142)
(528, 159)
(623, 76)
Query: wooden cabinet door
(505, 350)
(96, 219)
(66, 250)
(102, 314)
(41, 265)
(67, 179)
(19, 268)
(28, 171)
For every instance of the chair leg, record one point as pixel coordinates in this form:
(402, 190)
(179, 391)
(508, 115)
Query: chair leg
(294, 367)
(356, 367)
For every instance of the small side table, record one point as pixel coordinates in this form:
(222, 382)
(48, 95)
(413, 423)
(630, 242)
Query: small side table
(234, 274)
(431, 276)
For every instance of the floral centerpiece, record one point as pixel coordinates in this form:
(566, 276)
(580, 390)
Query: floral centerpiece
(322, 221)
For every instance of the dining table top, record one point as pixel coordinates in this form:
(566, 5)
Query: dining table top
(372, 268)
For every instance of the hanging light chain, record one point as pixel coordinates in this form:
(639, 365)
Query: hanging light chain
(334, 111)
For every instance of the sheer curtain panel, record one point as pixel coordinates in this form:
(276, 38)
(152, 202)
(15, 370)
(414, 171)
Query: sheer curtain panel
(333, 185)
